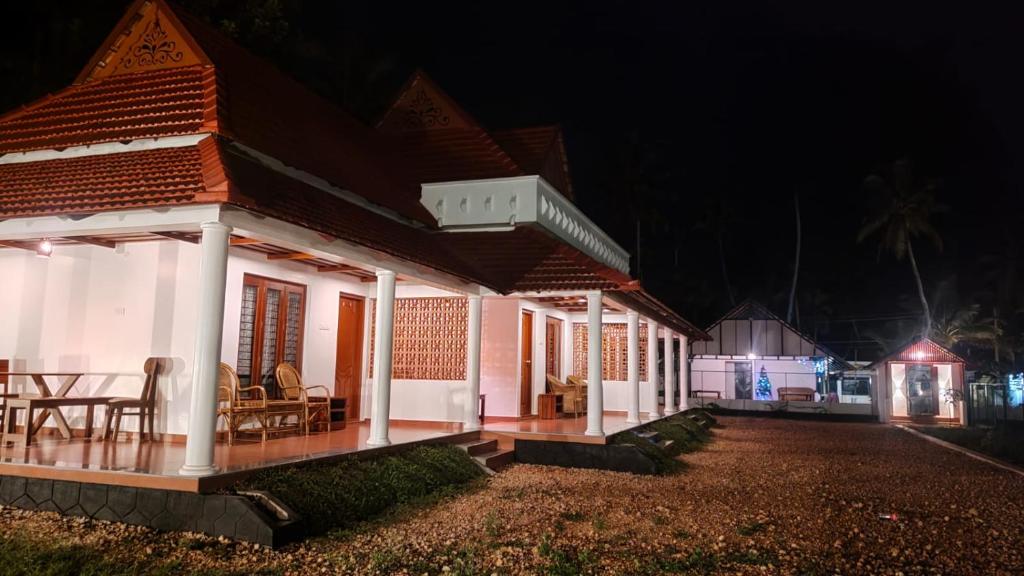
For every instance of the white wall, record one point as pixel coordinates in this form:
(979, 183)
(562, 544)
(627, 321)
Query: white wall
(104, 311)
(716, 374)
(101, 311)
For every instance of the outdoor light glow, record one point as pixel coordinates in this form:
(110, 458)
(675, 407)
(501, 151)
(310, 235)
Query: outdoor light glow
(45, 248)
(919, 355)
(751, 356)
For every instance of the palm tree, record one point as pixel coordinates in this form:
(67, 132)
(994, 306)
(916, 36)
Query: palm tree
(796, 261)
(904, 215)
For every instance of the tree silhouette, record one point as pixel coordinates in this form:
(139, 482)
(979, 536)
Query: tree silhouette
(904, 214)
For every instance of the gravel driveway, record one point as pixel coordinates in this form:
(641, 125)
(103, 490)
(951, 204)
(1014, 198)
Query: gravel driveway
(766, 496)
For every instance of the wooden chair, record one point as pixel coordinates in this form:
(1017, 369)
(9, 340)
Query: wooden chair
(143, 406)
(574, 399)
(294, 392)
(238, 405)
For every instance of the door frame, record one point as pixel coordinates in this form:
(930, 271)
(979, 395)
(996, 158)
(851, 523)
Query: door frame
(526, 363)
(352, 409)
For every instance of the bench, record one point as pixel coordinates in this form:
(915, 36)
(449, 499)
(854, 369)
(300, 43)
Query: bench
(796, 393)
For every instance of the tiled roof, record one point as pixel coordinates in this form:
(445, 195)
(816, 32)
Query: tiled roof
(129, 107)
(454, 154)
(146, 178)
(539, 150)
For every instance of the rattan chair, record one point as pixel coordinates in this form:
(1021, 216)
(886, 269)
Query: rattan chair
(296, 394)
(238, 405)
(573, 398)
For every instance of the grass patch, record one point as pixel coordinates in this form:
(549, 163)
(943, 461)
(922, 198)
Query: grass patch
(686, 434)
(23, 557)
(338, 495)
(1003, 443)
(565, 560)
(751, 529)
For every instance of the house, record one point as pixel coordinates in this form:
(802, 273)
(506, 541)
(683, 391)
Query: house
(921, 382)
(755, 360)
(183, 199)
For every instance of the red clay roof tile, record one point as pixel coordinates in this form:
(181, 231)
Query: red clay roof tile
(145, 178)
(130, 107)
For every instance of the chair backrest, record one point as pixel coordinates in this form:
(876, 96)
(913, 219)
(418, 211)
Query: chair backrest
(153, 368)
(289, 381)
(555, 386)
(227, 383)
(576, 381)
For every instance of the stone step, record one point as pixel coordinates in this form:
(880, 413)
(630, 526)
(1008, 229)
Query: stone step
(481, 447)
(666, 444)
(497, 459)
(651, 436)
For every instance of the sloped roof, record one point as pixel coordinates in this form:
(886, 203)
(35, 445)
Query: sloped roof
(539, 150)
(114, 109)
(138, 179)
(163, 72)
(921, 350)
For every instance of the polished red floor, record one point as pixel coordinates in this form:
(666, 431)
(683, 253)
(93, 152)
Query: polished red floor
(156, 464)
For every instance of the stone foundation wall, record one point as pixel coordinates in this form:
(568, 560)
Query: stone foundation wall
(228, 515)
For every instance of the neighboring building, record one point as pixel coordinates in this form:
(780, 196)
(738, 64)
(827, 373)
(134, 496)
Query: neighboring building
(755, 359)
(923, 382)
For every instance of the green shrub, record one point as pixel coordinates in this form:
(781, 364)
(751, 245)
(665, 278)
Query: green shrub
(342, 493)
(663, 463)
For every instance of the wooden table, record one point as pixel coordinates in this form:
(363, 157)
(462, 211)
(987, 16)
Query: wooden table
(39, 378)
(51, 405)
(550, 406)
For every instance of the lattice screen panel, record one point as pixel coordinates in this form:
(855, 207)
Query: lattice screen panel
(430, 338)
(614, 350)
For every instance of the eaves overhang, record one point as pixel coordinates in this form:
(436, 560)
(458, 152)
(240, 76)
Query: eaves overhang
(502, 204)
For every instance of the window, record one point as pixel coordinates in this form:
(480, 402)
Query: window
(430, 336)
(614, 350)
(270, 330)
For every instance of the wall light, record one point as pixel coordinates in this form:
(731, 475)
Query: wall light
(44, 249)
(918, 355)
(751, 356)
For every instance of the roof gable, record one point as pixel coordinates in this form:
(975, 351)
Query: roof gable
(148, 37)
(422, 105)
(751, 328)
(921, 350)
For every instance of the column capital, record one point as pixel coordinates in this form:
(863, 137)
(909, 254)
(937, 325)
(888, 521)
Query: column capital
(474, 297)
(632, 314)
(385, 274)
(215, 225)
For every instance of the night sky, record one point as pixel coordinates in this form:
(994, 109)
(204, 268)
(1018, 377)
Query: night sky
(683, 119)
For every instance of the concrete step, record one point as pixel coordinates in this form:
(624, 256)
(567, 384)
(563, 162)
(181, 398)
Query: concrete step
(497, 459)
(481, 447)
(651, 436)
(666, 444)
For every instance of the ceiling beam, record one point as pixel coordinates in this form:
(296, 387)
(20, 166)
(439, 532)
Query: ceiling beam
(94, 241)
(245, 241)
(180, 236)
(337, 268)
(18, 245)
(291, 256)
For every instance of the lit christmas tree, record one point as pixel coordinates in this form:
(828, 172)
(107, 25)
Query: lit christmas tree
(763, 389)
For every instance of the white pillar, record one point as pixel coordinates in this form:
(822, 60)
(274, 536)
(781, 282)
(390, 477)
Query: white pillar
(471, 420)
(380, 405)
(684, 372)
(202, 414)
(595, 386)
(670, 373)
(652, 370)
(633, 366)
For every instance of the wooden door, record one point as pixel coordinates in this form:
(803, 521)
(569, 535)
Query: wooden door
(526, 380)
(553, 348)
(348, 360)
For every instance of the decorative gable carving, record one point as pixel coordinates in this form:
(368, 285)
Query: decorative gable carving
(422, 106)
(149, 37)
